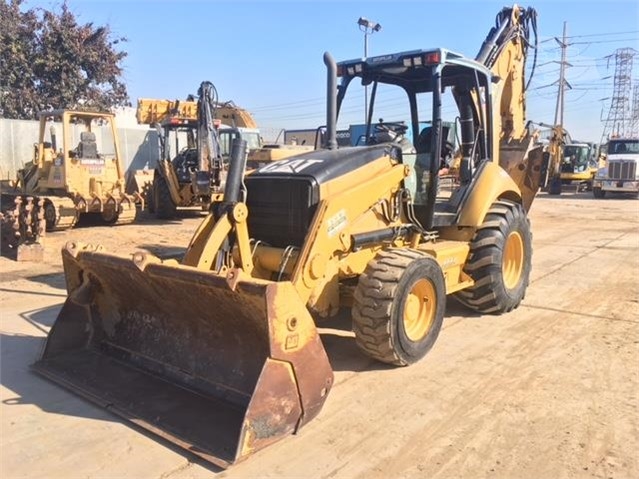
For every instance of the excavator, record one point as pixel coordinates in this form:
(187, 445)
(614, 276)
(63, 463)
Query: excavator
(182, 177)
(76, 170)
(220, 352)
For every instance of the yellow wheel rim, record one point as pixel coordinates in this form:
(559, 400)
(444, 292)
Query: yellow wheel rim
(419, 310)
(513, 260)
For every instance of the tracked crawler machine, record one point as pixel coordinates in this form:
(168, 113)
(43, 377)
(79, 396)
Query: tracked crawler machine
(76, 170)
(231, 360)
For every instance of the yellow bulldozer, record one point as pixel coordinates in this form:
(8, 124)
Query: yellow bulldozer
(76, 170)
(231, 360)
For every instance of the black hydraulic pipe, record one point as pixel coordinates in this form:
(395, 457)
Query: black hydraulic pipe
(371, 238)
(331, 101)
(490, 44)
(237, 165)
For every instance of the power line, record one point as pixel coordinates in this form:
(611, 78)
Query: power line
(606, 41)
(603, 34)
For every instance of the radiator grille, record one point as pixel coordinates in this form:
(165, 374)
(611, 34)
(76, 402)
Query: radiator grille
(622, 170)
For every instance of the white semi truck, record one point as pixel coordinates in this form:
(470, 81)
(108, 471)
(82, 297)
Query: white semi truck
(620, 173)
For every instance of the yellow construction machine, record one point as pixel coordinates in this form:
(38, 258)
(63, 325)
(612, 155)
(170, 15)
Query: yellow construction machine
(553, 157)
(220, 352)
(579, 165)
(194, 147)
(76, 170)
(195, 144)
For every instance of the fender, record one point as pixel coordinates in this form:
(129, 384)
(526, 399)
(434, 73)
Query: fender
(490, 184)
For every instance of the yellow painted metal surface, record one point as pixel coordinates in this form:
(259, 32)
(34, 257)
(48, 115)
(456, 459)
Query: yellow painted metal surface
(513, 259)
(419, 310)
(492, 183)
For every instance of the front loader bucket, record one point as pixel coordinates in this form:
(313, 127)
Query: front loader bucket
(220, 366)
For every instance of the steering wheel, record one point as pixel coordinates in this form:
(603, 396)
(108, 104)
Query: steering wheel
(392, 126)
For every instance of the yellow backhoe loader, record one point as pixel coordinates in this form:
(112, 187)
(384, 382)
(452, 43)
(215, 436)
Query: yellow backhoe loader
(220, 353)
(191, 174)
(77, 173)
(190, 134)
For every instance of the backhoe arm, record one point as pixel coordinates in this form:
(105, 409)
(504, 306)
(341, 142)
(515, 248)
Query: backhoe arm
(504, 52)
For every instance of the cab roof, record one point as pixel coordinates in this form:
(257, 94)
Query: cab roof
(413, 69)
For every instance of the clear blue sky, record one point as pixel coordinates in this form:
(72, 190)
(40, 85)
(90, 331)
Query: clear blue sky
(266, 56)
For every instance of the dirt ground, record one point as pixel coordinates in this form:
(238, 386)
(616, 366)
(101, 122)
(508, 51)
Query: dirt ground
(550, 390)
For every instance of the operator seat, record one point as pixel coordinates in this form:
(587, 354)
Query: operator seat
(88, 147)
(424, 140)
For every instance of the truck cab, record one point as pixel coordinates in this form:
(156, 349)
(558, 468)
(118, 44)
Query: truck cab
(620, 173)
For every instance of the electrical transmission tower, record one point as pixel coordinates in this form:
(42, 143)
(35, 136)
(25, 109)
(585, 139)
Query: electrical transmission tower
(634, 122)
(619, 115)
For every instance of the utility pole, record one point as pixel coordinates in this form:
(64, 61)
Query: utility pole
(559, 109)
(368, 27)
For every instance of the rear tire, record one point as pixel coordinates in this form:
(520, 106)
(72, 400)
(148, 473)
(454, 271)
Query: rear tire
(399, 306)
(149, 199)
(163, 203)
(555, 187)
(597, 192)
(499, 260)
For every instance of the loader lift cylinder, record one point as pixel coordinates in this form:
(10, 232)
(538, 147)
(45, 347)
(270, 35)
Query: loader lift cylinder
(237, 165)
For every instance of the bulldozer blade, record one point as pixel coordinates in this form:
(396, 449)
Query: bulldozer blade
(221, 366)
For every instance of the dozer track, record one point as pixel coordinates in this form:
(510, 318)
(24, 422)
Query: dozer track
(127, 214)
(60, 213)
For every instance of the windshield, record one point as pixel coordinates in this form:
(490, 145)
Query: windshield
(91, 137)
(576, 154)
(253, 140)
(616, 147)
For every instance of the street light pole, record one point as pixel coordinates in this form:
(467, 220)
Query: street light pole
(368, 27)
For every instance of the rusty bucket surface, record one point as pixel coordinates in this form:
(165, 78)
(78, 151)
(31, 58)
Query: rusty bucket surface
(218, 367)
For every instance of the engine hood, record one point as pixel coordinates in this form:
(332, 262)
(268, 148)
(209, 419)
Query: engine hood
(325, 165)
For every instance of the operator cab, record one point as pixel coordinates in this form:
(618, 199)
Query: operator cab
(426, 86)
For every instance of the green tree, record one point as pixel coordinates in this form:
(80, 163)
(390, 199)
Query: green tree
(49, 60)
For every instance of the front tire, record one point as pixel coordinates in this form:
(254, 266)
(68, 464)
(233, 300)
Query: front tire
(499, 260)
(163, 203)
(597, 192)
(149, 198)
(555, 187)
(399, 306)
